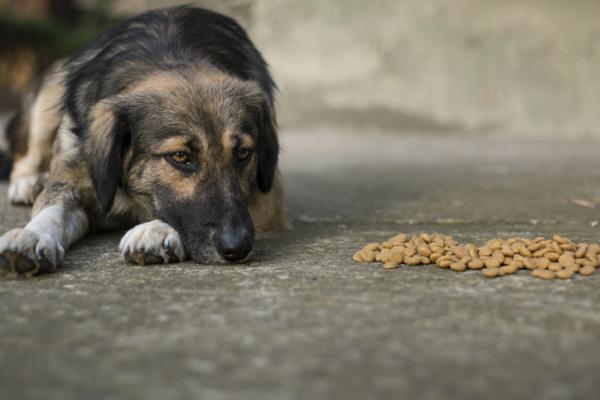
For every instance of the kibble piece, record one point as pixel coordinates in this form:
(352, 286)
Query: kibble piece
(400, 238)
(397, 254)
(424, 251)
(471, 250)
(373, 246)
(444, 261)
(525, 252)
(594, 248)
(426, 237)
(556, 247)
(475, 263)
(518, 264)
(508, 269)
(425, 260)
(588, 263)
(435, 256)
(368, 255)
(516, 246)
(450, 241)
(566, 260)
(438, 241)
(493, 262)
(529, 263)
(436, 249)
(458, 266)
(460, 253)
(485, 251)
(565, 273)
(420, 243)
(390, 265)
(574, 267)
(568, 247)
(534, 246)
(412, 261)
(491, 272)
(546, 274)
(357, 257)
(542, 263)
(586, 270)
(410, 251)
(560, 239)
(592, 259)
(552, 256)
(383, 256)
(554, 267)
(540, 253)
(494, 244)
(507, 251)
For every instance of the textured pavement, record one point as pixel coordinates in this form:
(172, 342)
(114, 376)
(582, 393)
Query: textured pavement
(302, 321)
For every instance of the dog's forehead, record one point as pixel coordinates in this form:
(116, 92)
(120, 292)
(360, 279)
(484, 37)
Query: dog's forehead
(212, 107)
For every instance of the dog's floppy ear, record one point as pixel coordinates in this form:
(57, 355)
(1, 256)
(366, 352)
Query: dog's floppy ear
(268, 149)
(103, 148)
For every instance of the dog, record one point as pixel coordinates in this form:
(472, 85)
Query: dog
(166, 123)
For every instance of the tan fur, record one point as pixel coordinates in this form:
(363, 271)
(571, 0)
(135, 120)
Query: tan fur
(173, 145)
(44, 118)
(268, 210)
(229, 141)
(102, 124)
(184, 187)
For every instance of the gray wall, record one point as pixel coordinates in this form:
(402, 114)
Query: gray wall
(528, 67)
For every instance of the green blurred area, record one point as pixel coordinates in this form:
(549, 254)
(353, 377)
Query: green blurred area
(52, 37)
(31, 39)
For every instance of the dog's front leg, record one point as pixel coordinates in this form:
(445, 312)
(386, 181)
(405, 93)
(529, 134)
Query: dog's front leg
(41, 245)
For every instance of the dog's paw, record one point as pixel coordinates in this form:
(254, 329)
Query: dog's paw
(25, 189)
(153, 242)
(27, 253)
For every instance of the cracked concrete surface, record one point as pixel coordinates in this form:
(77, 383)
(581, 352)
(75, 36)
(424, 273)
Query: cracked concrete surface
(302, 321)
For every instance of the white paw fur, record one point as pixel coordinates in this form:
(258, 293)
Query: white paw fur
(151, 243)
(21, 190)
(25, 252)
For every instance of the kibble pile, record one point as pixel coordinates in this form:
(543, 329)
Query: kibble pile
(553, 258)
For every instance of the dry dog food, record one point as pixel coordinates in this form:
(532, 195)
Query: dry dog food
(553, 258)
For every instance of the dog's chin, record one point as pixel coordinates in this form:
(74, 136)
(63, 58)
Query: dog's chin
(211, 256)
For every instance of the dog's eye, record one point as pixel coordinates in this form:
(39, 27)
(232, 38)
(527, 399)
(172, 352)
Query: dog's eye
(243, 155)
(181, 159)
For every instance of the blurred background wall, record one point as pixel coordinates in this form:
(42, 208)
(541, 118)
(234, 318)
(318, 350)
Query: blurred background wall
(520, 67)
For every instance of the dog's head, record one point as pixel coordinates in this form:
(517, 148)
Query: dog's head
(193, 148)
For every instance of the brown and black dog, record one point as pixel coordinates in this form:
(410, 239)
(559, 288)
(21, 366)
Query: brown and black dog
(166, 121)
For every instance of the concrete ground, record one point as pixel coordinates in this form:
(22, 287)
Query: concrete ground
(302, 321)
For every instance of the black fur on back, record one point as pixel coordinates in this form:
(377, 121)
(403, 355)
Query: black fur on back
(157, 40)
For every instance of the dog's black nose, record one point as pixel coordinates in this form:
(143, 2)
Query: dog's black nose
(235, 242)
